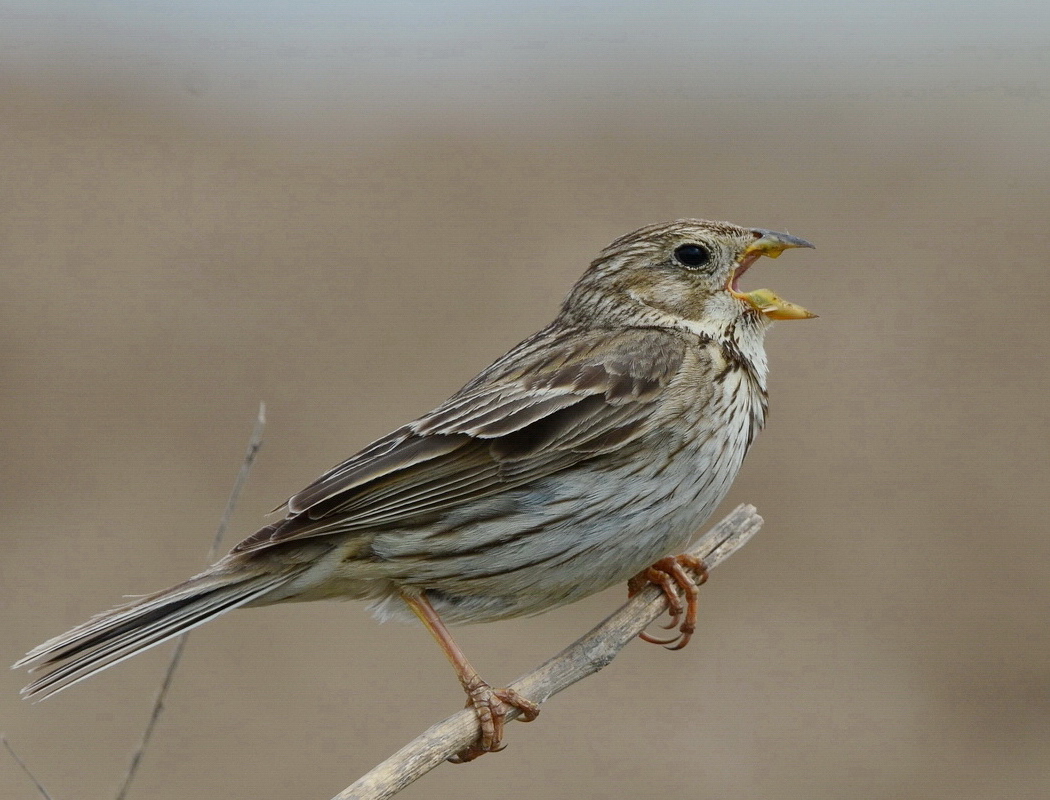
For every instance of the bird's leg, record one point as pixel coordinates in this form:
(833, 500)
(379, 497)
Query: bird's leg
(491, 705)
(671, 574)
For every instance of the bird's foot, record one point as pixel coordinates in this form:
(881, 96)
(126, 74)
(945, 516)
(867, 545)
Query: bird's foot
(671, 574)
(492, 706)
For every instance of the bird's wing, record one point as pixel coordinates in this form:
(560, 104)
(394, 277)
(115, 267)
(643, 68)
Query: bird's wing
(554, 401)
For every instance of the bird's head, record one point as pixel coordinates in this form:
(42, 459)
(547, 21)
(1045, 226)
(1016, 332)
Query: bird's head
(682, 274)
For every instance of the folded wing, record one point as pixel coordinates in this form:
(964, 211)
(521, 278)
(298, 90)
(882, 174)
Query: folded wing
(524, 418)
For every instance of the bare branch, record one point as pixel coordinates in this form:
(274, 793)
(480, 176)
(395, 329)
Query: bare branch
(254, 443)
(25, 768)
(583, 657)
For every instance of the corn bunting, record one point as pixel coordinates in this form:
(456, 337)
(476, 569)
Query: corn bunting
(580, 459)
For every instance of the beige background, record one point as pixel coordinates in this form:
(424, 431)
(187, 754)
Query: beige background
(175, 249)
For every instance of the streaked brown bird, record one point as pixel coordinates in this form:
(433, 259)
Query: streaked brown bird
(580, 459)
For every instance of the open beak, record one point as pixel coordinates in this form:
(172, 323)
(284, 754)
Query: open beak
(765, 301)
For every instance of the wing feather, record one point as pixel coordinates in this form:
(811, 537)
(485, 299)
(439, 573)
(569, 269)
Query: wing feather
(552, 402)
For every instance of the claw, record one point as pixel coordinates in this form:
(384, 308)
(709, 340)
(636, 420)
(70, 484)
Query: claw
(491, 706)
(645, 637)
(670, 575)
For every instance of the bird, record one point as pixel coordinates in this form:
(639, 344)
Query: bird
(588, 455)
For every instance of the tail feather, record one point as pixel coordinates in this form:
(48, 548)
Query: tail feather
(118, 634)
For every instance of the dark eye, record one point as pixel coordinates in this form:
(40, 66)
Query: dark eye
(692, 255)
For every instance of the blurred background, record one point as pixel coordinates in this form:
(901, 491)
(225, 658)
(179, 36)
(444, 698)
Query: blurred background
(347, 209)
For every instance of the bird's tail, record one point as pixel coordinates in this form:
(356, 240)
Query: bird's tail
(121, 632)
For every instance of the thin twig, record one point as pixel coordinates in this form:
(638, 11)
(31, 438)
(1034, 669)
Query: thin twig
(583, 657)
(25, 768)
(254, 443)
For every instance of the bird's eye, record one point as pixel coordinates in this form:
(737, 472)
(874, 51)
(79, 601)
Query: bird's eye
(692, 255)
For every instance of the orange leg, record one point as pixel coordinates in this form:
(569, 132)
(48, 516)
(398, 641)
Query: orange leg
(490, 704)
(670, 574)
